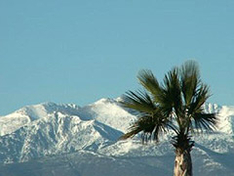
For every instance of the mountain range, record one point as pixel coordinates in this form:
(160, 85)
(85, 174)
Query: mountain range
(51, 139)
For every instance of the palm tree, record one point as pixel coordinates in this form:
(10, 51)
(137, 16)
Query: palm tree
(176, 105)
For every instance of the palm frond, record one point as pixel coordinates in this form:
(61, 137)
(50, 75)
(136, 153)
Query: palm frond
(190, 80)
(170, 98)
(148, 81)
(143, 124)
(199, 99)
(204, 121)
(175, 104)
(134, 130)
(151, 127)
(139, 101)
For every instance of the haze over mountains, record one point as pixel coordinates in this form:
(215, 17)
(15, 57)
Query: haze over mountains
(65, 139)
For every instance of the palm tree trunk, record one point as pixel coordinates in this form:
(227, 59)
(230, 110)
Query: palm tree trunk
(183, 163)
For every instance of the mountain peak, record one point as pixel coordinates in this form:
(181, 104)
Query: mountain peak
(104, 101)
(46, 129)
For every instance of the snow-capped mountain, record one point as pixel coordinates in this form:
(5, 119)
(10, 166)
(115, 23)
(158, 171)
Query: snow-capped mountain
(28, 114)
(70, 140)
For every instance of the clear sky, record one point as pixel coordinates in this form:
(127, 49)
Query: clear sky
(80, 51)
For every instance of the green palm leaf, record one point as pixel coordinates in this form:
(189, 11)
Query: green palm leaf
(177, 104)
(190, 81)
(199, 99)
(149, 82)
(204, 121)
(151, 127)
(139, 101)
(170, 99)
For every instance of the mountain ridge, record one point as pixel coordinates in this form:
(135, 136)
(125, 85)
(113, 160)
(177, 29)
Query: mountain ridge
(49, 130)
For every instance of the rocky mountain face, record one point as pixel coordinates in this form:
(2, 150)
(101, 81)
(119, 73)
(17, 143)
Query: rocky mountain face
(65, 139)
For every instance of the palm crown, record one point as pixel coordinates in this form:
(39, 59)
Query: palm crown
(176, 103)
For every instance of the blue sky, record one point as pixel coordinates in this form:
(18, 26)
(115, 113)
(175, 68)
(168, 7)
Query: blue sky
(80, 51)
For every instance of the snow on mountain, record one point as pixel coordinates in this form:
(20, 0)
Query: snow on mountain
(55, 134)
(225, 117)
(109, 112)
(88, 135)
(28, 114)
(49, 129)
